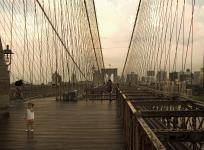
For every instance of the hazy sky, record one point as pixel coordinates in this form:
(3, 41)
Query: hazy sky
(116, 18)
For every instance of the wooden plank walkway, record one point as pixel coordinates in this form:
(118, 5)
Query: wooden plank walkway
(64, 126)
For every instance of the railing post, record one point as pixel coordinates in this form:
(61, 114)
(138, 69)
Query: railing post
(136, 134)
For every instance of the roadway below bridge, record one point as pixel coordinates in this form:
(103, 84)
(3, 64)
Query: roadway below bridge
(158, 121)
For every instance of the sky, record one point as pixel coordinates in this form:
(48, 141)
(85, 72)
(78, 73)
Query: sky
(116, 19)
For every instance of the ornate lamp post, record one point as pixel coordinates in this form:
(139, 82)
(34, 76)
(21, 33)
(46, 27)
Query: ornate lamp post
(8, 55)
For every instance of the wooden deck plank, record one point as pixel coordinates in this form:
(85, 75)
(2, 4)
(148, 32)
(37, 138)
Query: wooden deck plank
(84, 125)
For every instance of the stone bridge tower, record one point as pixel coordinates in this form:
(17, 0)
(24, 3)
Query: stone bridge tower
(110, 72)
(4, 84)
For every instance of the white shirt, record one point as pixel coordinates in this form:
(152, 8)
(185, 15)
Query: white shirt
(30, 114)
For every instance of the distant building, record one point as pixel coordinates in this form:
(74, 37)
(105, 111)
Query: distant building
(186, 76)
(161, 75)
(150, 73)
(132, 78)
(173, 76)
(150, 78)
(198, 78)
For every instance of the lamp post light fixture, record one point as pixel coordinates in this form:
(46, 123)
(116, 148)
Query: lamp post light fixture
(7, 55)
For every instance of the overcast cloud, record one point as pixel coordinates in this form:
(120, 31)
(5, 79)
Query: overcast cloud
(116, 18)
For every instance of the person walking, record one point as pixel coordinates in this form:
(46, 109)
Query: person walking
(109, 88)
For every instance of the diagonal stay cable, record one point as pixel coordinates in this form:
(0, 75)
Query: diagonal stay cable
(98, 34)
(57, 34)
(137, 14)
(87, 15)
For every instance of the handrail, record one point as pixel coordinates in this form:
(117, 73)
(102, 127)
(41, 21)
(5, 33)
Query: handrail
(151, 135)
(138, 135)
(134, 111)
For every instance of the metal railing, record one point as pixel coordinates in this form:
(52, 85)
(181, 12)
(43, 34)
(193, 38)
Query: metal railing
(138, 135)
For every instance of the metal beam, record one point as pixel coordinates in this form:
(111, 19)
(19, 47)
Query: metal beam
(180, 113)
(180, 135)
(139, 94)
(143, 98)
(160, 102)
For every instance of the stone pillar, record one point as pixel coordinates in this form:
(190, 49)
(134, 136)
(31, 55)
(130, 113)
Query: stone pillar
(109, 76)
(115, 76)
(4, 82)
